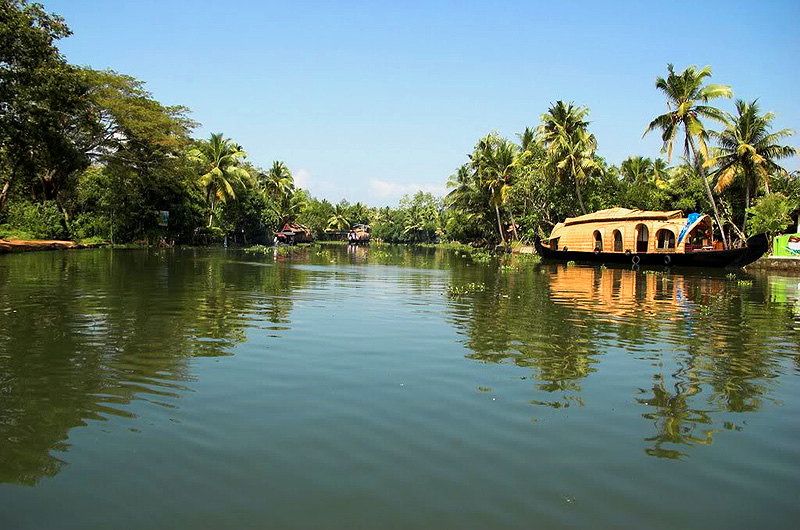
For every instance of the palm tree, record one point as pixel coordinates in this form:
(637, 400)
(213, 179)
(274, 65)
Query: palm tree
(527, 138)
(637, 169)
(278, 181)
(495, 161)
(461, 182)
(289, 207)
(686, 105)
(467, 197)
(748, 149)
(339, 219)
(219, 158)
(570, 147)
(359, 213)
(661, 172)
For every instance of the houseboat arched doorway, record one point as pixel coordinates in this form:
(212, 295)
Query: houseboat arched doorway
(598, 241)
(642, 238)
(665, 239)
(617, 241)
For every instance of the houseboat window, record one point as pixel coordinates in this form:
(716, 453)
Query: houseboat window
(665, 239)
(642, 238)
(598, 241)
(617, 241)
(554, 243)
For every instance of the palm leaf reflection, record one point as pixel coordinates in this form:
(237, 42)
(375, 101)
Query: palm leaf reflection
(717, 348)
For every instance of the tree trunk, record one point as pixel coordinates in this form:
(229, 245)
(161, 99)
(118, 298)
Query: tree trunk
(513, 224)
(746, 205)
(211, 209)
(709, 194)
(499, 224)
(580, 199)
(4, 194)
(60, 204)
(714, 207)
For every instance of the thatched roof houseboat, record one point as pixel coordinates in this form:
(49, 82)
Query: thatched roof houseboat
(293, 233)
(620, 235)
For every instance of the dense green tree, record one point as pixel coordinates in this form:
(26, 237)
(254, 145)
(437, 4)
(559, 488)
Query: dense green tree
(771, 215)
(315, 214)
(42, 103)
(637, 169)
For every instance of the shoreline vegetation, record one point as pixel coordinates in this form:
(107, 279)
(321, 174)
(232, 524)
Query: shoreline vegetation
(89, 156)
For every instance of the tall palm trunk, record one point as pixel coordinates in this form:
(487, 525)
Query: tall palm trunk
(746, 205)
(211, 209)
(499, 224)
(710, 195)
(513, 224)
(580, 199)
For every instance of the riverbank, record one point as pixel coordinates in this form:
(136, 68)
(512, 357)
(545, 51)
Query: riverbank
(776, 263)
(29, 245)
(26, 245)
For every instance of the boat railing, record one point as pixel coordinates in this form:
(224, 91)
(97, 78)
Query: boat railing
(705, 246)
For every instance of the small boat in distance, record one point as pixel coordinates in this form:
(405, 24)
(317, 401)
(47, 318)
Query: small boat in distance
(620, 235)
(359, 234)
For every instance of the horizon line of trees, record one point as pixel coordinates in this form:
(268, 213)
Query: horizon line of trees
(90, 153)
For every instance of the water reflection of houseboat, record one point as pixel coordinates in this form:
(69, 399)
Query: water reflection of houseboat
(620, 235)
(622, 293)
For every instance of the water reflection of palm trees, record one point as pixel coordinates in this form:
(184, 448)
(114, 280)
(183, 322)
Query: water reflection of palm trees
(84, 334)
(714, 344)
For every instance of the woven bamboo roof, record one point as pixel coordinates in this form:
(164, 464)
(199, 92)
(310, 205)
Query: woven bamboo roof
(623, 214)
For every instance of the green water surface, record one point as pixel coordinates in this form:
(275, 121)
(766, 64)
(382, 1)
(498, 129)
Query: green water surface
(391, 387)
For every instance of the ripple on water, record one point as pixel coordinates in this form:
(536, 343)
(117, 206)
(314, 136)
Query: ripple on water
(354, 394)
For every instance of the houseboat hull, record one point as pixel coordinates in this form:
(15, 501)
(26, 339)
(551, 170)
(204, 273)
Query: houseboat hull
(729, 259)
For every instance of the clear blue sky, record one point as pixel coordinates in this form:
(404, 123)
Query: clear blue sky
(371, 100)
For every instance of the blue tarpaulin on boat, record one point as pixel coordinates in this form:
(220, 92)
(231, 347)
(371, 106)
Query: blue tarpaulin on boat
(689, 222)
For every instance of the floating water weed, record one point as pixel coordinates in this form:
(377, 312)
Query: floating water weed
(461, 290)
(257, 249)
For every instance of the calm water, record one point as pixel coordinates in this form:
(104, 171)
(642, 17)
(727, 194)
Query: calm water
(336, 389)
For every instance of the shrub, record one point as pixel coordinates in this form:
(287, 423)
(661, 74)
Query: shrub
(41, 220)
(771, 214)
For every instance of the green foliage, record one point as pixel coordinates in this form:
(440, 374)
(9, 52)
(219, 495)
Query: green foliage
(687, 101)
(91, 154)
(40, 220)
(219, 162)
(417, 219)
(570, 147)
(42, 104)
(770, 215)
(315, 214)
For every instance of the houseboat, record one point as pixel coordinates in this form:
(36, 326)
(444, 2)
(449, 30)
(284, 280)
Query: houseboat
(293, 233)
(359, 234)
(620, 235)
